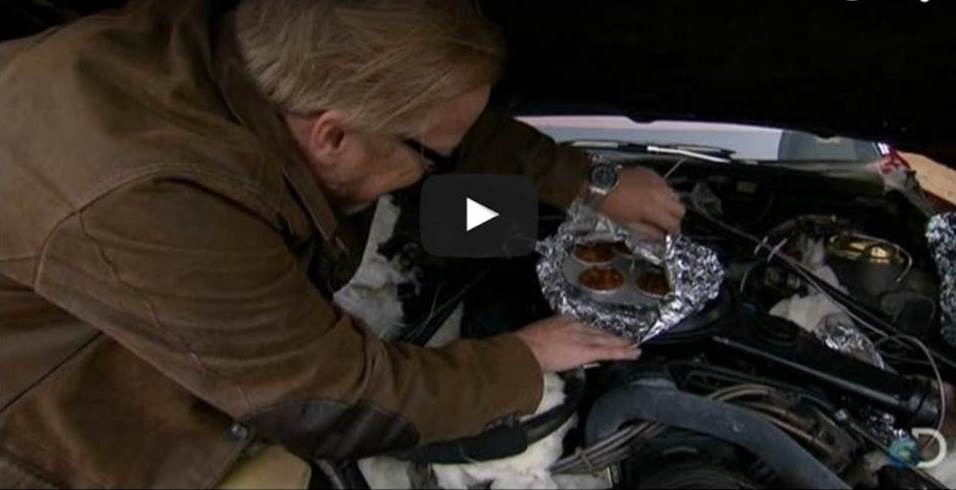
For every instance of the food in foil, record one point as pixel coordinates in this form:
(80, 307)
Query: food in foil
(602, 279)
(941, 236)
(652, 280)
(692, 276)
(621, 248)
(595, 252)
(608, 279)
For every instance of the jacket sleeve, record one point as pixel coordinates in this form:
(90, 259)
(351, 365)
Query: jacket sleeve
(498, 143)
(210, 295)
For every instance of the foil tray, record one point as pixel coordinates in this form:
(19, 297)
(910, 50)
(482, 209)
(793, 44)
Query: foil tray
(627, 294)
(693, 272)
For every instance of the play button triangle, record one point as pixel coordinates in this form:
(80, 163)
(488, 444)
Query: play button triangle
(477, 214)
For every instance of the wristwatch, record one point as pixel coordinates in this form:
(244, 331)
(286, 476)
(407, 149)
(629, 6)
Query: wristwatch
(602, 179)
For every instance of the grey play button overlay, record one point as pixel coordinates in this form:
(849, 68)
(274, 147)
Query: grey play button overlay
(478, 215)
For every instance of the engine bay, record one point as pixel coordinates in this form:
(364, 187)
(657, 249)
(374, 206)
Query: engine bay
(783, 380)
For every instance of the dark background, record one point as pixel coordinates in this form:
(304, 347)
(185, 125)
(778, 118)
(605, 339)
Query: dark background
(878, 70)
(872, 69)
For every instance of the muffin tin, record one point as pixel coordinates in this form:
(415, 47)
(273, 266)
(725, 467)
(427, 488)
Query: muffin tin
(611, 262)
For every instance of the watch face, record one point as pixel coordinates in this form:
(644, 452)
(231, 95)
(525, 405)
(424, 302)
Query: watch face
(603, 175)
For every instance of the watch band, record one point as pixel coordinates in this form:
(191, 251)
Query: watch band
(594, 197)
(603, 179)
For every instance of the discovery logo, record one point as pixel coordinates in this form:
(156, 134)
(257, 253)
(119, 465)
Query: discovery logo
(905, 452)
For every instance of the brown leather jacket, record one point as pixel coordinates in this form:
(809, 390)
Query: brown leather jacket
(156, 226)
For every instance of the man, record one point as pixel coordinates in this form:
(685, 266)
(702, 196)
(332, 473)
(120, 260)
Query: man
(178, 180)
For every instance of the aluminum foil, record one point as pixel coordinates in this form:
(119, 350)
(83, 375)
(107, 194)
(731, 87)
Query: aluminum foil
(693, 271)
(941, 235)
(882, 425)
(820, 315)
(839, 333)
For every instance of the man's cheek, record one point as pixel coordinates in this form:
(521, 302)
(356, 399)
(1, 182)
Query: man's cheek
(385, 181)
(415, 174)
(405, 175)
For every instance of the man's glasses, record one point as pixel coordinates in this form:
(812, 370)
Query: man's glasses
(436, 162)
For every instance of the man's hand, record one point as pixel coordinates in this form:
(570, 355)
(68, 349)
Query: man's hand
(560, 343)
(645, 203)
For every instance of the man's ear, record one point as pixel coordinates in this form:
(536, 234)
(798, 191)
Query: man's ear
(326, 138)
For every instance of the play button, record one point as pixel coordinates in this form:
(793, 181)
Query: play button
(482, 215)
(477, 214)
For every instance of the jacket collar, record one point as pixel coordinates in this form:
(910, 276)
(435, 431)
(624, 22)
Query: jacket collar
(251, 109)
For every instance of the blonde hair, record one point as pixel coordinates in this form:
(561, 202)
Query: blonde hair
(382, 62)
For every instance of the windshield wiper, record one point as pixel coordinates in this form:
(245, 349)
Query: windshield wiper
(666, 150)
(705, 153)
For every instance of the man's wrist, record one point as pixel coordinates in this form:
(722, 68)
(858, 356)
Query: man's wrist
(603, 178)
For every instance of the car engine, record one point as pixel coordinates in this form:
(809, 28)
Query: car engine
(811, 368)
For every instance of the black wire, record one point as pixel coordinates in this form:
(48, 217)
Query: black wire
(854, 307)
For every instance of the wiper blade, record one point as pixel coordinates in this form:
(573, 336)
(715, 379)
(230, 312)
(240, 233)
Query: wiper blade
(687, 153)
(704, 153)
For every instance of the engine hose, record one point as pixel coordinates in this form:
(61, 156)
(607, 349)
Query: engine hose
(505, 440)
(659, 401)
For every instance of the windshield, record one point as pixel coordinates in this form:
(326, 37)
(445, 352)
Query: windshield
(746, 142)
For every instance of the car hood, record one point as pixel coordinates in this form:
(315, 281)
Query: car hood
(866, 70)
